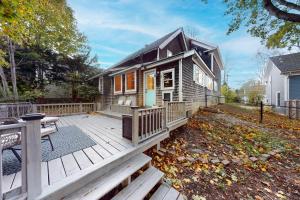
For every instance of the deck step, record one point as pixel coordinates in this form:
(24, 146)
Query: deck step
(165, 192)
(111, 114)
(141, 186)
(104, 184)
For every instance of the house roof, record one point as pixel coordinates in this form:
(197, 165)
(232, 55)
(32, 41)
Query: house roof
(287, 63)
(148, 47)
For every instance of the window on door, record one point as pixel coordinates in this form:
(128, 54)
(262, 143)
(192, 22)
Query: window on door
(167, 79)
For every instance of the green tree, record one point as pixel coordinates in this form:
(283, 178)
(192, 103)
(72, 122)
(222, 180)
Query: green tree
(40, 25)
(229, 94)
(276, 23)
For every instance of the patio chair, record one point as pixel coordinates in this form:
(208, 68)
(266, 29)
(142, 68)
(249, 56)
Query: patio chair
(10, 140)
(45, 135)
(49, 121)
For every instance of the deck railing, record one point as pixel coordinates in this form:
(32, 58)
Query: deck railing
(176, 110)
(61, 109)
(15, 109)
(30, 155)
(147, 123)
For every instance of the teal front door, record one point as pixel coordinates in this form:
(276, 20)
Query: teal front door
(149, 86)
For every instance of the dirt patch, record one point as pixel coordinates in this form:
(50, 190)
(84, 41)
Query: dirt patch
(223, 156)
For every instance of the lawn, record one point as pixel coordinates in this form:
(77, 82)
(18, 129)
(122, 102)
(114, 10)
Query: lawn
(224, 153)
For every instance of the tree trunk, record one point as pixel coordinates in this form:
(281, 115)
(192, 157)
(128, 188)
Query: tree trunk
(5, 90)
(11, 51)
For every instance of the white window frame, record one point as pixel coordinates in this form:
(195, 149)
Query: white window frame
(118, 92)
(169, 53)
(100, 85)
(201, 79)
(162, 79)
(133, 90)
(167, 91)
(216, 86)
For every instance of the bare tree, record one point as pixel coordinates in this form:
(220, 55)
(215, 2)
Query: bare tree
(191, 32)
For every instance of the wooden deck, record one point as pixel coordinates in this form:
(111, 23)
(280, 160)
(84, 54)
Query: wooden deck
(107, 134)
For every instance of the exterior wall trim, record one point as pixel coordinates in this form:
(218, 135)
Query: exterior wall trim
(180, 81)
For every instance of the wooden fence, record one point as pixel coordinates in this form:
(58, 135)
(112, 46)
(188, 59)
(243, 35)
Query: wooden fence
(175, 111)
(59, 109)
(147, 123)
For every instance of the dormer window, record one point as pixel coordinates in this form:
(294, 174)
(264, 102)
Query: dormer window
(169, 53)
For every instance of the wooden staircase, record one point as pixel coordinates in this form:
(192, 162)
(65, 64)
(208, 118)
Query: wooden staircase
(134, 179)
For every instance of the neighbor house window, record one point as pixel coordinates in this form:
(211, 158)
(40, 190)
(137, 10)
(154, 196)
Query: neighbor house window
(101, 85)
(130, 81)
(118, 84)
(169, 53)
(167, 79)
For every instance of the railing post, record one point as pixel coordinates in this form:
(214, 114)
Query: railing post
(135, 125)
(32, 143)
(80, 107)
(164, 118)
(261, 112)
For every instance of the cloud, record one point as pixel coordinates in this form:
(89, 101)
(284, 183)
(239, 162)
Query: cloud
(244, 45)
(112, 50)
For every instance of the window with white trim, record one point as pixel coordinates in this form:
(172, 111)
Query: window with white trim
(209, 83)
(167, 79)
(100, 86)
(199, 76)
(118, 84)
(216, 86)
(169, 53)
(167, 96)
(130, 82)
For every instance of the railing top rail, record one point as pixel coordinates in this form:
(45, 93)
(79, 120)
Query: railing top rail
(56, 104)
(12, 126)
(146, 109)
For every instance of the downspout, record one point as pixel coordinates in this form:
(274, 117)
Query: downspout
(180, 81)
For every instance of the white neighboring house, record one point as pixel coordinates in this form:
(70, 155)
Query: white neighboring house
(282, 79)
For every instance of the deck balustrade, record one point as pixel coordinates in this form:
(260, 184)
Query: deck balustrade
(175, 111)
(30, 155)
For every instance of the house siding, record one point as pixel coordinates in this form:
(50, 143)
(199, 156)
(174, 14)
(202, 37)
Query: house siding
(175, 46)
(294, 87)
(159, 69)
(193, 93)
(275, 83)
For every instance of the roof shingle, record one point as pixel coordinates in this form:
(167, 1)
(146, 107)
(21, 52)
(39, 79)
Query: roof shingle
(286, 63)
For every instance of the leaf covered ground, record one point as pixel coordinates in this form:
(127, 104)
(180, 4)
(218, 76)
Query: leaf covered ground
(224, 153)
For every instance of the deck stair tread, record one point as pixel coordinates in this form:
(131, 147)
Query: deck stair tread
(166, 192)
(102, 185)
(141, 186)
(109, 113)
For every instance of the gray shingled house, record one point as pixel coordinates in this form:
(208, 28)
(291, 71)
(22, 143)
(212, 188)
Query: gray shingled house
(172, 68)
(282, 79)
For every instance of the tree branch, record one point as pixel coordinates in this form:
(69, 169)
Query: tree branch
(290, 5)
(273, 10)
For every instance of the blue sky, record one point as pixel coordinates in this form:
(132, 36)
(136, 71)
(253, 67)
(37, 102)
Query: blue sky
(116, 28)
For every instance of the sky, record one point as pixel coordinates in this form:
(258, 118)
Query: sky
(117, 28)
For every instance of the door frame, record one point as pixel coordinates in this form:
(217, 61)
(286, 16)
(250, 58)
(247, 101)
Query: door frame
(144, 88)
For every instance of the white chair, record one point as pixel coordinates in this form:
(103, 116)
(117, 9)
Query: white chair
(45, 135)
(49, 121)
(10, 140)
